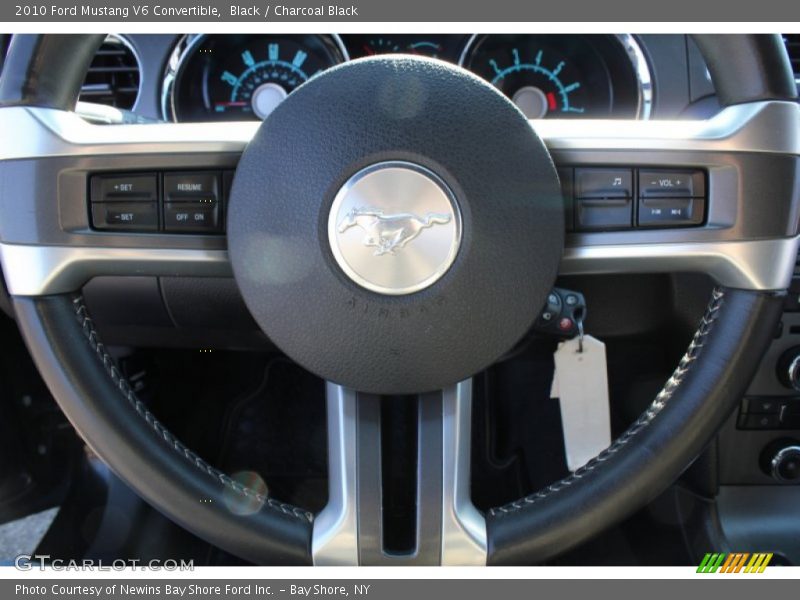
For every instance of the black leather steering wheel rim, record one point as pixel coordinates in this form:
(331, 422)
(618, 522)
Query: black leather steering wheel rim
(694, 403)
(87, 385)
(103, 407)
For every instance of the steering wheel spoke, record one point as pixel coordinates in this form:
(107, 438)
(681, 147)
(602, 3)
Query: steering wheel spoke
(747, 238)
(743, 243)
(54, 246)
(445, 528)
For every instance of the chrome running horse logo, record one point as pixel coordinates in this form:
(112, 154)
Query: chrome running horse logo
(389, 233)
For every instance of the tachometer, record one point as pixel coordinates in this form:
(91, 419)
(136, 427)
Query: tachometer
(246, 77)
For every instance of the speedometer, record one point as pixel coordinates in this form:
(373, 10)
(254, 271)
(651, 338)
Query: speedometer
(245, 77)
(564, 76)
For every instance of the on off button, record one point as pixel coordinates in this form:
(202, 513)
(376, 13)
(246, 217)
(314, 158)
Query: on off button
(191, 216)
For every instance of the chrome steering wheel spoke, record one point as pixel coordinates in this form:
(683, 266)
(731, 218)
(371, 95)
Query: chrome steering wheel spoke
(745, 245)
(448, 529)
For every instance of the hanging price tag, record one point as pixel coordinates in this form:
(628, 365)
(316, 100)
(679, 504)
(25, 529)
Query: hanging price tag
(580, 382)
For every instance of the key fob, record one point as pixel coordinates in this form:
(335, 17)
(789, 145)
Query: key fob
(562, 314)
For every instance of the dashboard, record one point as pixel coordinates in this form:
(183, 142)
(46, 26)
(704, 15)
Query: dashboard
(245, 77)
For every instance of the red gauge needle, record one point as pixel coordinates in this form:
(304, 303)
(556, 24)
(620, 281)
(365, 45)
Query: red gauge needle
(551, 100)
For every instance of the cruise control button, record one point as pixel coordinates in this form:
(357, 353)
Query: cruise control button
(124, 188)
(129, 216)
(191, 217)
(178, 186)
(603, 183)
(662, 212)
(673, 184)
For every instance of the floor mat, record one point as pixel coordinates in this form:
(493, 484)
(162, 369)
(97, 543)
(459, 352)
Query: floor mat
(278, 433)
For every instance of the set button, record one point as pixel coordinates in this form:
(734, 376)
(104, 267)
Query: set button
(174, 202)
(141, 187)
(125, 202)
(125, 216)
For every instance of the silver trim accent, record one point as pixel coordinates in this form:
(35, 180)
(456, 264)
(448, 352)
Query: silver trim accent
(184, 47)
(335, 536)
(763, 127)
(41, 270)
(41, 133)
(793, 373)
(756, 127)
(463, 527)
(642, 70)
(769, 127)
(755, 265)
(334, 540)
(636, 56)
(775, 463)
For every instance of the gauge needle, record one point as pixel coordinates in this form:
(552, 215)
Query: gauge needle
(551, 100)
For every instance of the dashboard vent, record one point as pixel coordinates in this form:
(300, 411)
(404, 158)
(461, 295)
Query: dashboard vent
(792, 41)
(113, 78)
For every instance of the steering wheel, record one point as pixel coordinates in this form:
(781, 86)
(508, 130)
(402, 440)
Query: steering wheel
(395, 226)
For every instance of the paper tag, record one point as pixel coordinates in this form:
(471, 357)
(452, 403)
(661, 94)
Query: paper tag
(580, 382)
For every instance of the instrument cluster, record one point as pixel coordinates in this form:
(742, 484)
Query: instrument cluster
(245, 77)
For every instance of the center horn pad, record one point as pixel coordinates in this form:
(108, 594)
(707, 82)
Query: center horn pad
(395, 225)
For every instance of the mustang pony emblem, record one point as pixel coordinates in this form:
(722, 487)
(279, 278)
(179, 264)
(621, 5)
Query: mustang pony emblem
(389, 233)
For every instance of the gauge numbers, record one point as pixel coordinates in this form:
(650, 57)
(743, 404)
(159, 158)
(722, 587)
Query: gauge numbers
(263, 84)
(546, 76)
(541, 89)
(243, 77)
